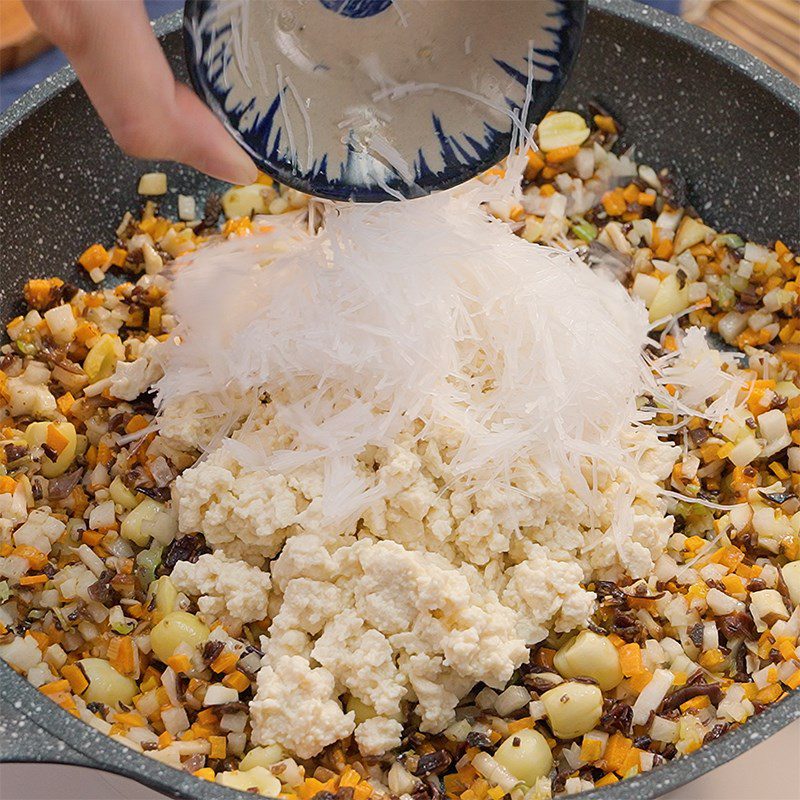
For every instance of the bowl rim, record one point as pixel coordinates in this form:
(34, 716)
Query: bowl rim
(74, 741)
(545, 97)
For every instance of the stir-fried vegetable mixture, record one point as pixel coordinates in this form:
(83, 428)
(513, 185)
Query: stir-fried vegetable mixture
(88, 538)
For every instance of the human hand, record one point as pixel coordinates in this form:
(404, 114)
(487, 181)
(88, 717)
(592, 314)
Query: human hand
(122, 68)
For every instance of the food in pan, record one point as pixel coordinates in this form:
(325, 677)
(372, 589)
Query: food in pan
(450, 497)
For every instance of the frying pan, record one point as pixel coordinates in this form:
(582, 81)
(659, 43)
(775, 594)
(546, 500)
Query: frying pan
(726, 121)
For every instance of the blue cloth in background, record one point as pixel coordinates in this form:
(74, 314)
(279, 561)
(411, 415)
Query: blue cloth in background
(18, 81)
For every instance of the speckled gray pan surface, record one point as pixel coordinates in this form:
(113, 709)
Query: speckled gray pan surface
(729, 123)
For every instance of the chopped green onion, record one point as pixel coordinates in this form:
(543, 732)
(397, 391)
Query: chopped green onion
(726, 297)
(5, 592)
(26, 348)
(147, 562)
(123, 627)
(730, 240)
(584, 230)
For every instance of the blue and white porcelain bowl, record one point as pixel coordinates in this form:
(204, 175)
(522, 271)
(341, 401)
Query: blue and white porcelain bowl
(370, 100)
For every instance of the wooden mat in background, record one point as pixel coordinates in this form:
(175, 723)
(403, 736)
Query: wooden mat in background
(769, 29)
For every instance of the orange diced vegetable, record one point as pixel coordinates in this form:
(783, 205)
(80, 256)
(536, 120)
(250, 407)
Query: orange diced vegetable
(562, 154)
(225, 661)
(179, 662)
(55, 439)
(614, 202)
(36, 558)
(605, 123)
(74, 674)
(617, 751)
(33, 580)
(118, 256)
(638, 681)
(219, 746)
(93, 257)
(136, 423)
(630, 659)
(349, 778)
(55, 686)
(236, 680)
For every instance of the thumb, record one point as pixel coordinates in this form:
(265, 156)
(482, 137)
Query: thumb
(128, 79)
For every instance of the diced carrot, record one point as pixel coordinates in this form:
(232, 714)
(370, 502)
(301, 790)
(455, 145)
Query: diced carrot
(561, 154)
(631, 193)
(65, 403)
(86, 331)
(207, 717)
(785, 645)
(591, 750)
(781, 249)
(104, 454)
(7, 485)
(630, 659)
(164, 740)
(92, 538)
(118, 256)
(663, 250)
(154, 317)
(638, 681)
(219, 746)
(309, 787)
(520, 724)
(769, 694)
(617, 751)
(548, 190)
(74, 674)
(605, 123)
(349, 778)
(36, 558)
(236, 680)
(179, 662)
(733, 584)
(55, 439)
(225, 662)
(363, 791)
(206, 774)
(41, 638)
(93, 257)
(607, 780)
(130, 719)
(793, 681)
(136, 423)
(696, 703)
(614, 202)
(535, 164)
(33, 580)
(632, 762)
(38, 292)
(55, 686)
(120, 654)
(646, 199)
(730, 556)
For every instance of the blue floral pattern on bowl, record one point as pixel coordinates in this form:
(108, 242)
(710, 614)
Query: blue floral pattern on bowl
(371, 100)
